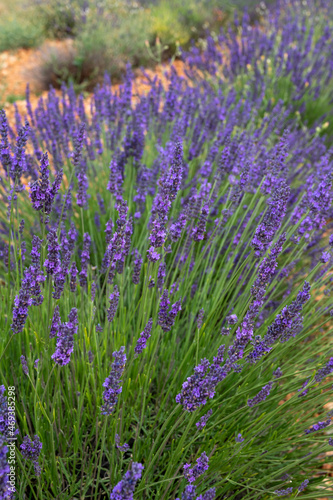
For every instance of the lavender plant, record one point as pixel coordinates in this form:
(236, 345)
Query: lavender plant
(214, 212)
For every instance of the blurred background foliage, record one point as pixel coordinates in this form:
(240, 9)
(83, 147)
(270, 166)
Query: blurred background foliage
(99, 36)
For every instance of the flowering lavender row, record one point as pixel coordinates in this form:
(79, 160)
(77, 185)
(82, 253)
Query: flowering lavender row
(166, 274)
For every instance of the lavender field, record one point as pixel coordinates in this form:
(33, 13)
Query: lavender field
(166, 276)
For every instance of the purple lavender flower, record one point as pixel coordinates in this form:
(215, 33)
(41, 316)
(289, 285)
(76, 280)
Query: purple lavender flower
(36, 363)
(330, 441)
(144, 336)
(203, 420)
(114, 299)
(65, 339)
(200, 318)
(125, 488)
(283, 493)
(272, 219)
(201, 466)
(161, 274)
(198, 232)
(31, 450)
(41, 193)
(115, 180)
(19, 162)
(325, 257)
(208, 495)
(137, 268)
(5, 155)
(303, 485)
(101, 204)
(189, 492)
(21, 226)
(21, 303)
(261, 396)
(232, 319)
(72, 237)
(163, 309)
(78, 145)
(90, 357)
(24, 365)
(56, 322)
(52, 263)
(82, 180)
(93, 291)
(152, 255)
(239, 438)
(85, 259)
(201, 386)
(73, 274)
(124, 447)
(318, 427)
(112, 383)
(277, 373)
(167, 318)
(151, 283)
(286, 325)
(324, 372)
(37, 277)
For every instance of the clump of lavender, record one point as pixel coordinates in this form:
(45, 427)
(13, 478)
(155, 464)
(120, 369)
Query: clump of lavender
(30, 450)
(124, 490)
(112, 383)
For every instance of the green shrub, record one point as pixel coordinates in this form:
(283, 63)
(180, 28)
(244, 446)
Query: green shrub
(19, 33)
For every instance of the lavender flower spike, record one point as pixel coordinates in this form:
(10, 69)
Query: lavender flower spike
(201, 466)
(203, 420)
(31, 450)
(65, 339)
(112, 383)
(125, 488)
(124, 447)
(114, 299)
(24, 365)
(261, 396)
(144, 336)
